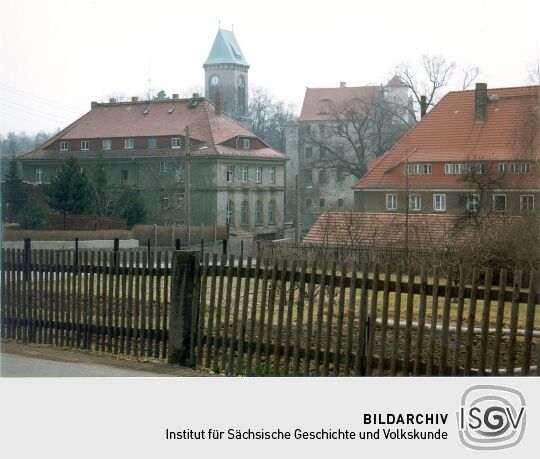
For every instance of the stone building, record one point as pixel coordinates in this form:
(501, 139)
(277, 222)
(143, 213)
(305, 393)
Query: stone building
(321, 187)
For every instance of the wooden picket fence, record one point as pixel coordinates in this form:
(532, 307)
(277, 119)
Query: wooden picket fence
(274, 317)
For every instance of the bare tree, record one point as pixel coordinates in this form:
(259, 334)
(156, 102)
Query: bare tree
(533, 73)
(469, 75)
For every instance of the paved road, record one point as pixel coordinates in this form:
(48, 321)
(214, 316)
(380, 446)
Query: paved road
(22, 366)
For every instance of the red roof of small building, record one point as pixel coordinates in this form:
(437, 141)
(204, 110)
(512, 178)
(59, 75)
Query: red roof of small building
(449, 133)
(158, 118)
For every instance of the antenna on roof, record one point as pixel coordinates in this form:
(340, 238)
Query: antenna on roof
(232, 27)
(219, 24)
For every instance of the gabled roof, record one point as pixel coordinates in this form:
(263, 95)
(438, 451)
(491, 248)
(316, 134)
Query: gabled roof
(449, 133)
(396, 81)
(225, 50)
(317, 100)
(158, 118)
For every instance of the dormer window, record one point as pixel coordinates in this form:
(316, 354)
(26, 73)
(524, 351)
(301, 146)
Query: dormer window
(85, 145)
(152, 143)
(106, 144)
(175, 142)
(64, 145)
(128, 144)
(246, 144)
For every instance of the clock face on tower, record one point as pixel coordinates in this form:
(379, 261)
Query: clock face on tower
(214, 81)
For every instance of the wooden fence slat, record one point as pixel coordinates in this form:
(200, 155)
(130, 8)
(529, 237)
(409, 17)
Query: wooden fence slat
(350, 322)
(320, 315)
(227, 314)
(381, 371)
(85, 298)
(299, 321)
(53, 292)
(446, 322)
(281, 310)
(130, 304)
(79, 299)
(19, 311)
(434, 316)
(408, 322)
(40, 301)
(261, 324)
(359, 365)
(485, 321)
(110, 301)
(24, 298)
(3, 300)
(210, 329)
(499, 322)
(471, 322)
(288, 322)
(151, 304)
(202, 309)
(48, 293)
(235, 313)
(309, 325)
(243, 318)
(251, 341)
(58, 296)
(340, 317)
(459, 323)
(123, 303)
(195, 300)
(329, 321)
(157, 325)
(270, 318)
(511, 355)
(31, 319)
(12, 295)
(372, 327)
(90, 321)
(219, 307)
(97, 279)
(396, 327)
(166, 297)
(63, 297)
(421, 322)
(529, 325)
(143, 305)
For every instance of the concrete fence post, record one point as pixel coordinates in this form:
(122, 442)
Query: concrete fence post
(184, 284)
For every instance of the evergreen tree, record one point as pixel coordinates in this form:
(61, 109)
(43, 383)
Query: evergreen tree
(15, 194)
(70, 190)
(130, 207)
(34, 214)
(102, 194)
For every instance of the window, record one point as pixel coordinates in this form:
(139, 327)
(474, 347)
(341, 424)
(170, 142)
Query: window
(272, 175)
(415, 202)
(229, 174)
(469, 169)
(175, 142)
(229, 212)
(321, 202)
(64, 145)
(244, 213)
(258, 213)
(258, 174)
(525, 168)
(152, 143)
(458, 168)
(526, 202)
(162, 167)
(308, 202)
(502, 168)
(448, 169)
(309, 153)
(164, 201)
(244, 174)
(322, 153)
(473, 202)
(272, 213)
(124, 177)
(322, 176)
(39, 175)
(246, 144)
(439, 202)
(427, 169)
(179, 200)
(417, 169)
(340, 175)
(128, 144)
(106, 144)
(514, 168)
(391, 202)
(340, 202)
(308, 177)
(499, 203)
(480, 168)
(85, 145)
(179, 173)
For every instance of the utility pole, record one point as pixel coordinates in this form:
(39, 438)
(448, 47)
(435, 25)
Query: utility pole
(297, 212)
(188, 186)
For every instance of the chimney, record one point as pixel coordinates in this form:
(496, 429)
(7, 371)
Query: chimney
(175, 96)
(112, 100)
(219, 103)
(342, 84)
(135, 99)
(423, 106)
(480, 103)
(93, 104)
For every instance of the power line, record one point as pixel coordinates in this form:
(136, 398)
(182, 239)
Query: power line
(5, 87)
(43, 115)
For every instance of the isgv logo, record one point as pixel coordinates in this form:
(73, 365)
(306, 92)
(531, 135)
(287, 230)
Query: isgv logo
(491, 417)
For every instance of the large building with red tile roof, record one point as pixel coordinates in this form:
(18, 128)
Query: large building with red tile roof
(235, 177)
(475, 150)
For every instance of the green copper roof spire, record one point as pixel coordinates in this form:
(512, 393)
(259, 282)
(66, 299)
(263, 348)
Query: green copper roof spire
(225, 50)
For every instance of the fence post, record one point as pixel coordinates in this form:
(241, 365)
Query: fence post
(116, 248)
(180, 317)
(178, 244)
(202, 245)
(76, 253)
(224, 246)
(148, 247)
(241, 247)
(27, 246)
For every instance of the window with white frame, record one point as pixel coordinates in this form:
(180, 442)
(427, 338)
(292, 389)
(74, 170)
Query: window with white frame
(244, 213)
(415, 202)
(391, 202)
(229, 174)
(272, 175)
(525, 168)
(229, 212)
(124, 177)
(179, 200)
(439, 202)
(448, 169)
(427, 169)
(128, 144)
(258, 213)
(480, 168)
(175, 142)
(106, 144)
(526, 202)
(514, 168)
(458, 169)
(272, 212)
(64, 145)
(244, 174)
(417, 169)
(246, 144)
(162, 167)
(473, 202)
(499, 202)
(258, 174)
(152, 143)
(39, 175)
(502, 168)
(85, 145)
(179, 173)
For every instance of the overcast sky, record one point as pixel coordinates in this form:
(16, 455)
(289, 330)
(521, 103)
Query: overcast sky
(57, 56)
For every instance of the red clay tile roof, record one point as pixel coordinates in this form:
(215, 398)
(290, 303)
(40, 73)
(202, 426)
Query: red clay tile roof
(449, 133)
(317, 100)
(164, 118)
(396, 81)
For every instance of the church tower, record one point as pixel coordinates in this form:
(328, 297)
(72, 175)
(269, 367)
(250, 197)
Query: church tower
(226, 71)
